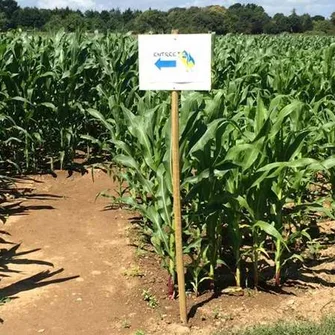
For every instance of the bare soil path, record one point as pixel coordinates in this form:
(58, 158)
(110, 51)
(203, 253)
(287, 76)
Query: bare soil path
(65, 226)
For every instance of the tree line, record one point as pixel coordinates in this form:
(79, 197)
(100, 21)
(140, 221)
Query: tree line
(238, 18)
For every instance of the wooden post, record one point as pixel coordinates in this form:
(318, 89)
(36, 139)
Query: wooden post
(176, 203)
(177, 208)
(168, 79)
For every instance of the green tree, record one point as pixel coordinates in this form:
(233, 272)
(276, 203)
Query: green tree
(55, 23)
(93, 21)
(4, 22)
(115, 22)
(249, 19)
(295, 22)
(31, 18)
(318, 18)
(104, 15)
(325, 27)
(282, 22)
(128, 15)
(179, 18)
(332, 18)
(211, 19)
(129, 18)
(8, 7)
(96, 23)
(272, 27)
(152, 20)
(62, 12)
(235, 22)
(91, 14)
(74, 22)
(306, 22)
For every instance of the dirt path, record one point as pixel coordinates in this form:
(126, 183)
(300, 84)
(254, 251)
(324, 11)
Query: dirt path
(74, 233)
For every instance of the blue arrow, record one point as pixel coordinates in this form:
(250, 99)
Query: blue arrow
(165, 63)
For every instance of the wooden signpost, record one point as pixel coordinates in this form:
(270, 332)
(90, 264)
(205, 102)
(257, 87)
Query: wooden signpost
(175, 63)
(176, 205)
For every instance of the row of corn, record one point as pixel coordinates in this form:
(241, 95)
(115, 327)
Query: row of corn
(257, 152)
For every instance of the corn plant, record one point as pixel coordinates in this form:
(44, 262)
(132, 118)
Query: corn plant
(251, 150)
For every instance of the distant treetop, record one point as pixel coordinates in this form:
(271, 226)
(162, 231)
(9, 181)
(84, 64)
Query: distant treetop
(238, 18)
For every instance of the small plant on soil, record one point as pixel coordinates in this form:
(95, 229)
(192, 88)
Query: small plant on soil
(126, 324)
(216, 314)
(149, 298)
(134, 271)
(139, 252)
(313, 251)
(139, 332)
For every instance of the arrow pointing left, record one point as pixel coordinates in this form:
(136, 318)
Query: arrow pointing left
(165, 63)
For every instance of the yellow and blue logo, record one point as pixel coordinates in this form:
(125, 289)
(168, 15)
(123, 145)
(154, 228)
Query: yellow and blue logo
(187, 59)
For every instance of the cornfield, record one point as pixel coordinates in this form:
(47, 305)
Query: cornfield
(257, 152)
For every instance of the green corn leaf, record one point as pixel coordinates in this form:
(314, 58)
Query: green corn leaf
(270, 230)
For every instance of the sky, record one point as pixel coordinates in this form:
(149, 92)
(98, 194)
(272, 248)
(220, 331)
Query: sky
(313, 7)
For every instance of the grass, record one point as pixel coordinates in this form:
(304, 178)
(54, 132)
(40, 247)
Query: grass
(126, 324)
(149, 298)
(325, 327)
(134, 271)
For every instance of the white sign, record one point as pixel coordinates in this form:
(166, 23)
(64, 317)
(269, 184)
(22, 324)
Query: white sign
(175, 62)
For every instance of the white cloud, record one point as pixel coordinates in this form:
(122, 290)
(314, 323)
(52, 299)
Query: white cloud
(77, 4)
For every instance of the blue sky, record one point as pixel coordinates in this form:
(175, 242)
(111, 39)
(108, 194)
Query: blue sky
(313, 7)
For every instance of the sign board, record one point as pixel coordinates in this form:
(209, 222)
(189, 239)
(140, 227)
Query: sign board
(175, 62)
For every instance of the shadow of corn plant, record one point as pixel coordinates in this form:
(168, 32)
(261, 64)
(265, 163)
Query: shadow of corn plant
(11, 260)
(11, 255)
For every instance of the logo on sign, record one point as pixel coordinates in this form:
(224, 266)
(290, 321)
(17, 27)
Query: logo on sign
(184, 57)
(187, 59)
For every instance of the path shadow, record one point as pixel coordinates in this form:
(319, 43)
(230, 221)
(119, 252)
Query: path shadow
(14, 257)
(14, 201)
(14, 197)
(2, 239)
(32, 282)
(19, 209)
(272, 289)
(310, 277)
(200, 304)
